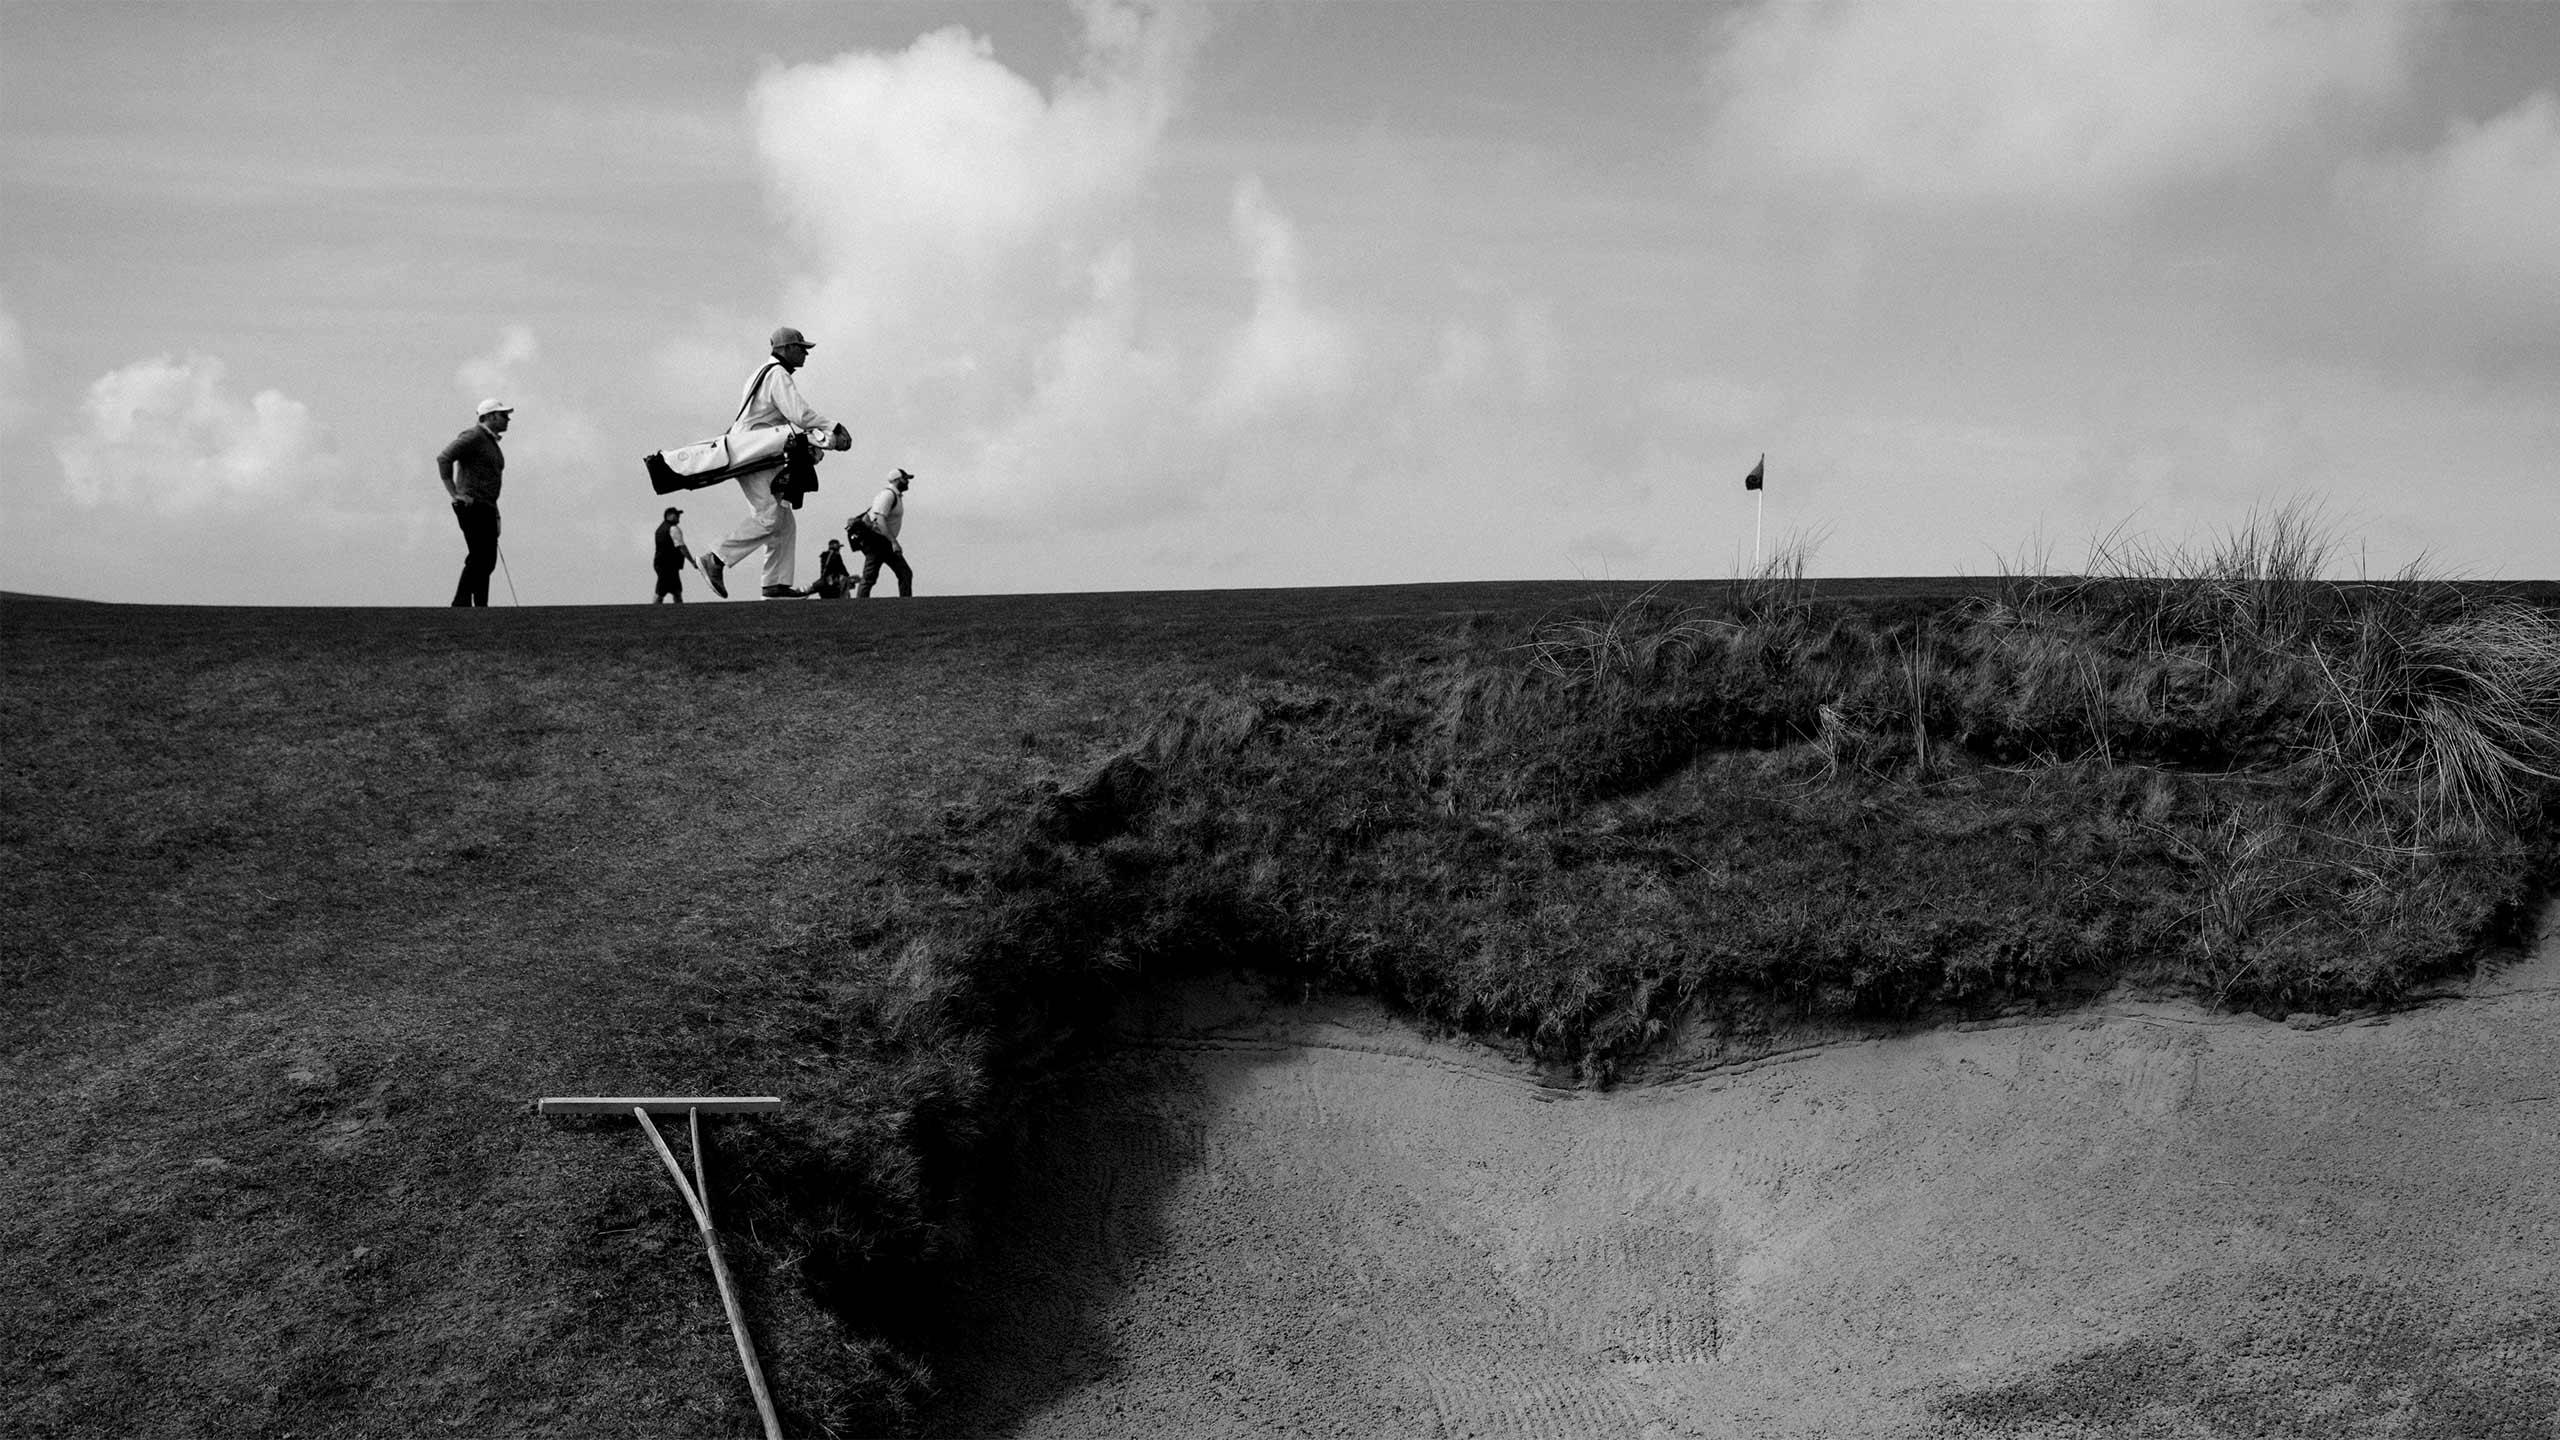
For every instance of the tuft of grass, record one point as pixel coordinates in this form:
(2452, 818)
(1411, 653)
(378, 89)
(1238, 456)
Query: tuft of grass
(2447, 709)
(1781, 582)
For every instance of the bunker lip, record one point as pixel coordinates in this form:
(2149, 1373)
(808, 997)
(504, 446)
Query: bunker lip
(1247, 1218)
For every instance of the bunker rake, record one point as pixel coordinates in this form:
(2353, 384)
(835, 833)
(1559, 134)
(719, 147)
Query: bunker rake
(696, 1193)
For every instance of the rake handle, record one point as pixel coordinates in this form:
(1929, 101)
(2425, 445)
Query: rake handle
(700, 1205)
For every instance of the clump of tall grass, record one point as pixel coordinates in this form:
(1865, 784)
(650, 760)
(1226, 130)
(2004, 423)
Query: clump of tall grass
(1783, 580)
(1633, 639)
(2446, 712)
(2411, 696)
(2221, 771)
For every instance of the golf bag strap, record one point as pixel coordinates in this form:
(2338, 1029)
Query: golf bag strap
(755, 387)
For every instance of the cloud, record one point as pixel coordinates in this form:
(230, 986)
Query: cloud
(2483, 207)
(1518, 357)
(14, 402)
(495, 374)
(168, 436)
(935, 194)
(1463, 363)
(992, 279)
(1290, 352)
(959, 245)
(1102, 434)
(2076, 103)
(550, 432)
(1537, 346)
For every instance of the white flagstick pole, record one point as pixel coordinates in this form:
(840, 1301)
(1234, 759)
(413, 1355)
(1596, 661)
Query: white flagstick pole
(1757, 483)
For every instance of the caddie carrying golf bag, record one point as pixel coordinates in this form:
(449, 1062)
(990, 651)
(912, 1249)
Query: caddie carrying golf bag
(742, 452)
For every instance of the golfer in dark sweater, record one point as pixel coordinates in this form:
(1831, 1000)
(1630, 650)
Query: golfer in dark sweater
(472, 468)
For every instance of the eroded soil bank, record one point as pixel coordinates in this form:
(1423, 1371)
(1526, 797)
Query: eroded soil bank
(2144, 1219)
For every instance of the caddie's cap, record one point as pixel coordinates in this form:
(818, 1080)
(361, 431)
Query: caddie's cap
(788, 336)
(494, 406)
(902, 475)
(673, 512)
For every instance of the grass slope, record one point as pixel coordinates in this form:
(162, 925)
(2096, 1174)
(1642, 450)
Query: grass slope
(309, 904)
(305, 906)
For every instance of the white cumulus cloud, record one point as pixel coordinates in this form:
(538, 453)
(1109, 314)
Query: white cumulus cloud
(170, 436)
(2068, 101)
(14, 404)
(493, 375)
(1290, 352)
(940, 197)
(1103, 420)
(550, 432)
(1001, 300)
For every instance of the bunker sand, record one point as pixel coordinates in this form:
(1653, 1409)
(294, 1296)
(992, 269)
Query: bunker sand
(2142, 1219)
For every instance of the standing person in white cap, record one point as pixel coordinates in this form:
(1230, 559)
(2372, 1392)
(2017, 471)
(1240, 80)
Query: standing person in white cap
(472, 468)
(771, 526)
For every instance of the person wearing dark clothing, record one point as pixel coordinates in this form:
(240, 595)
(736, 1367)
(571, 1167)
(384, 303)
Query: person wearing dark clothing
(835, 582)
(875, 533)
(671, 559)
(472, 467)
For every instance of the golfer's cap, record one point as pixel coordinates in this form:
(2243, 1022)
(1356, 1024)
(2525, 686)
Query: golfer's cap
(788, 336)
(673, 512)
(494, 406)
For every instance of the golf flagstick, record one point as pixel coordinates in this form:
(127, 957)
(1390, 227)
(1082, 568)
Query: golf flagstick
(1752, 482)
(697, 1198)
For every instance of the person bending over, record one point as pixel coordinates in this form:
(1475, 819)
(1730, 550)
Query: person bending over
(875, 533)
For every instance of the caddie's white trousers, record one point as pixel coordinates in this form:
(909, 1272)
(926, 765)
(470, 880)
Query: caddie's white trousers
(772, 527)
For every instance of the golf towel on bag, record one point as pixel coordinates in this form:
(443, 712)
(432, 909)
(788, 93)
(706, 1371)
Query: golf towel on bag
(723, 457)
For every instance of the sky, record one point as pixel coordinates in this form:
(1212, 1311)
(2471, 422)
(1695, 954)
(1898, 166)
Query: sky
(1176, 296)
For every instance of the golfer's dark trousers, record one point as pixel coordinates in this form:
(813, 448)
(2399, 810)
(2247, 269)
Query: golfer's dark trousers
(479, 521)
(873, 557)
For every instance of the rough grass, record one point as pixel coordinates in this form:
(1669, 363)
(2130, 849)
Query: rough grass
(326, 902)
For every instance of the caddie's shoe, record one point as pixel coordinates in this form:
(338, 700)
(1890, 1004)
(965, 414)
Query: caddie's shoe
(711, 568)
(780, 592)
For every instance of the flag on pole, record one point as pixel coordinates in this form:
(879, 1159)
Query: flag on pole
(1758, 473)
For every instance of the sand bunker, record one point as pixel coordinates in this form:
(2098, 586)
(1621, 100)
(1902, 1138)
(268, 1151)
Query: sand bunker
(2142, 1220)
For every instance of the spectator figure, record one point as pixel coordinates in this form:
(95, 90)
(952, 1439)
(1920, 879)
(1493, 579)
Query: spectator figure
(671, 559)
(875, 534)
(472, 468)
(772, 398)
(834, 581)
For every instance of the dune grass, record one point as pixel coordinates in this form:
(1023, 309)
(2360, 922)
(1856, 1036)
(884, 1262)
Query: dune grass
(2229, 778)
